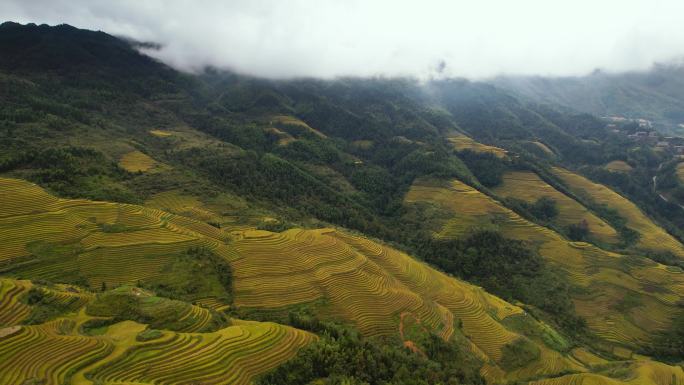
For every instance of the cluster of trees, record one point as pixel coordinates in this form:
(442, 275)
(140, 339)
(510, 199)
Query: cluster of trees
(269, 178)
(122, 304)
(638, 187)
(342, 356)
(669, 345)
(487, 167)
(197, 272)
(543, 210)
(44, 307)
(578, 231)
(72, 171)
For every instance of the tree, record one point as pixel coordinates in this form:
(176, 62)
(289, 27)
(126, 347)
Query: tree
(544, 208)
(578, 231)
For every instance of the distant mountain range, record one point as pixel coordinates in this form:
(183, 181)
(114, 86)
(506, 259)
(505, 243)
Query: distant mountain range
(656, 95)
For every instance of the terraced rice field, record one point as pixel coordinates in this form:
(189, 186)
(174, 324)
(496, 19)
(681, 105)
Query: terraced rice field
(653, 237)
(212, 303)
(618, 166)
(351, 277)
(588, 358)
(529, 187)
(462, 142)
(234, 355)
(479, 312)
(60, 239)
(298, 266)
(65, 296)
(638, 373)
(49, 238)
(55, 353)
(345, 276)
(44, 353)
(178, 203)
(608, 277)
(12, 311)
(372, 285)
(136, 161)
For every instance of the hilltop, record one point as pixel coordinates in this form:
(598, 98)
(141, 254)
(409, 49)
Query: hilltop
(448, 230)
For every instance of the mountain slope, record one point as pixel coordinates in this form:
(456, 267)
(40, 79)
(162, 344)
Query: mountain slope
(189, 202)
(602, 279)
(654, 94)
(360, 281)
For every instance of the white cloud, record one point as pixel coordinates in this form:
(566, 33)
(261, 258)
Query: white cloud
(326, 38)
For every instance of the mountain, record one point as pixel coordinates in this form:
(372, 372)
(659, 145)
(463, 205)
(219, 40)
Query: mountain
(162, 227)
(654, 95)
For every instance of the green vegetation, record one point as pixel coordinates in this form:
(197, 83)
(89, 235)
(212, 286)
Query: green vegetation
(194, 274)
(45, 307)
(487, 167)
(542, 211)
(96, 326)
(578, 231)
(148, 335)
(268, 179)
(518, 353)
(509, 269)
(670, 344)
(76, 172)
(526, 325)
(342, 356)
(131, 303)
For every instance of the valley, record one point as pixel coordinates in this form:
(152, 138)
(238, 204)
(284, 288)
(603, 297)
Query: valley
(162, 227)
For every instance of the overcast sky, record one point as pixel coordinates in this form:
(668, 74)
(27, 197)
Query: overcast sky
(324, 38)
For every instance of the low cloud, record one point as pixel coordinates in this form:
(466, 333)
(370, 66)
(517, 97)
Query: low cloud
(325, 38)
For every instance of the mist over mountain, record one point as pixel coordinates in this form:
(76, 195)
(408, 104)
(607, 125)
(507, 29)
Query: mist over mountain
(229, 224)
(433, 38)
(654, 94)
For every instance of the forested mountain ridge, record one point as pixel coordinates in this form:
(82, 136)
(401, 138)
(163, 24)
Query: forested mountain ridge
(334, 207)
(653, 95)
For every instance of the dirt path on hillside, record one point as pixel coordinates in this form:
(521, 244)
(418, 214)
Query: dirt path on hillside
(408, 343)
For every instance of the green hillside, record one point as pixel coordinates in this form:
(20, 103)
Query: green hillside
(160, 227)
